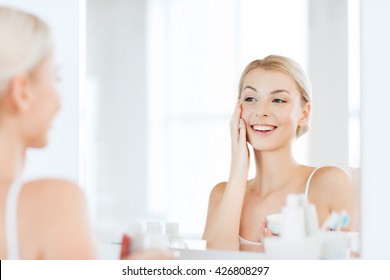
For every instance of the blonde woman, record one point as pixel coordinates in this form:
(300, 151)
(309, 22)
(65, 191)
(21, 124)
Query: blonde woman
(42, 219)
(273, 109)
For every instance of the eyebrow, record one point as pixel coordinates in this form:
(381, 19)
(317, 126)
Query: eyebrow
(272, 92)
(279, 91)
(252, 88)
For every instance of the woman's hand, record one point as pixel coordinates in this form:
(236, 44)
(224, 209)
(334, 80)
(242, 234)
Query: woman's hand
(240, 152)
(150, 254)
(226, 199)
(266, 231)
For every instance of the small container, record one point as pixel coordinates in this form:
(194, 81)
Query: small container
(154, 237)
(136, 235)
(274, 223)
(172, 232)
(277, 248)
(293, 219)
(311, 218)
(354, 243)
(335, 245)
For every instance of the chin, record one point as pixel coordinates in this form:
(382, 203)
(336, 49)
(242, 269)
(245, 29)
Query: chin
(42, 143)
(263, 148)
(256, 145)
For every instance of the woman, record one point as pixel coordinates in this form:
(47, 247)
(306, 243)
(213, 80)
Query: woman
(42, 219)
(272, 110)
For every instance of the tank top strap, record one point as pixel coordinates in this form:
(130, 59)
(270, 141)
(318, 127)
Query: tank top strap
(11, 220)
(308, 182)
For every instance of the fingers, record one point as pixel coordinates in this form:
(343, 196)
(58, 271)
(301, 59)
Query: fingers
(125, 247)
(242, 132)
(235, 123)
(150, 254)
(267, 232)
(236, 116)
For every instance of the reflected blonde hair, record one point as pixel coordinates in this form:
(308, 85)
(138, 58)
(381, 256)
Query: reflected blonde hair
(292, 69)
(25, 42)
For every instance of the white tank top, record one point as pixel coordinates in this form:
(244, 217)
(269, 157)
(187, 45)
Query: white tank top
(248, 242)
(11, 221)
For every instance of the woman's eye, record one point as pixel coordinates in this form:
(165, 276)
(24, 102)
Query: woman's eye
(250, 99)
(278, 100)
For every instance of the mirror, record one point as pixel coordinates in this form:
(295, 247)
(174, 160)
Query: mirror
(162, 79)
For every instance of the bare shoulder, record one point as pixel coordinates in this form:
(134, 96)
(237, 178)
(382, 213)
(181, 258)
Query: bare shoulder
(217, 193)
(48, 189)
(331, 176)
(57, 210)
(52, 197)
(332, 185)
(49, 183)
(218, 189)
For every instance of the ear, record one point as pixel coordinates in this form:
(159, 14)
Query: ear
(305, 114)
(19, 93)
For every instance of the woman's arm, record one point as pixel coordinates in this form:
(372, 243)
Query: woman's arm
(226, 199)
(223, 217)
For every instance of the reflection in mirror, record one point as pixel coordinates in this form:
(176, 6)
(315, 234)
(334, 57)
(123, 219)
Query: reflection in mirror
(162, 80)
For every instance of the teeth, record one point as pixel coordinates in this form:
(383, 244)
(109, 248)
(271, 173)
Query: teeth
(263, 127)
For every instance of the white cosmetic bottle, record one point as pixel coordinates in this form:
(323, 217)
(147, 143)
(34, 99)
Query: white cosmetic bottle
(297, 238)
(311, 218)
(293, 219)
(154, 237)
(136, 235)
(172, 232)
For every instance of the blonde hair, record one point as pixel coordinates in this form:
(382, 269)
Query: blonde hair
(25, 41)
(287, 66)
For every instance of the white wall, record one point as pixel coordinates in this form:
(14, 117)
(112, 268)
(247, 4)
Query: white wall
(375, 187)
(116, 61)
(61, 157)
(328, 71)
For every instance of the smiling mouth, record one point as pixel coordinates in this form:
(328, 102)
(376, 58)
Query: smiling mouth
(263, 128)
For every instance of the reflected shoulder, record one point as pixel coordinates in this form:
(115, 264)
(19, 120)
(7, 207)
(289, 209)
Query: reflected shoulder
(333, 186)
(217, 193)
(218, 189)
(331, 174)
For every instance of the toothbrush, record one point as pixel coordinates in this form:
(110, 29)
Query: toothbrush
(331, 221)
(343, 220)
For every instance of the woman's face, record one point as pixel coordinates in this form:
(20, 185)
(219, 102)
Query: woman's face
(272, 109)
(45, 102)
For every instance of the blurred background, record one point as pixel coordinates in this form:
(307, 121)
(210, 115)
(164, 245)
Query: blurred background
(148, 89)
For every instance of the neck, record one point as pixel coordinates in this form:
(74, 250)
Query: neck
(273, 169)
(12, 155)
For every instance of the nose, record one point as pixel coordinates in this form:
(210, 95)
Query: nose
(262, 109)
